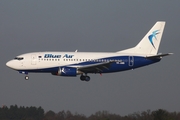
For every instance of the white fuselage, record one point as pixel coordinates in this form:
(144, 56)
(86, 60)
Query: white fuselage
(40, 60)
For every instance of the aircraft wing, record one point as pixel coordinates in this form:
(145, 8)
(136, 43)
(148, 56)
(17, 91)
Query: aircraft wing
(95, 68)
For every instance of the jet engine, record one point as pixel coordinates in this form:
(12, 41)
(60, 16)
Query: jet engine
(66, 71)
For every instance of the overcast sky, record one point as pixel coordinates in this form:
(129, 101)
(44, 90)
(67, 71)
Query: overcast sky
(95, 26)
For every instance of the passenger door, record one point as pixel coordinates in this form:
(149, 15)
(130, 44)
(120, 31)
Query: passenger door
(33, 59)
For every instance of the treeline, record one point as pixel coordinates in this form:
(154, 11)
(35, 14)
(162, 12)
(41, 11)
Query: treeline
(37, 113)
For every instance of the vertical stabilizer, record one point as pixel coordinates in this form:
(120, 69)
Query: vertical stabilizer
(151, 41)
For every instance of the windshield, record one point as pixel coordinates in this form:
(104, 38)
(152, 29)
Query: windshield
(18, 58)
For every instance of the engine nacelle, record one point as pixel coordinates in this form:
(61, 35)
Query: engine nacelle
(66, 71)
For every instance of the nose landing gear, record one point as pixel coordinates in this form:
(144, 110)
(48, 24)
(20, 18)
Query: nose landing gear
(26, 77)
(26, 73)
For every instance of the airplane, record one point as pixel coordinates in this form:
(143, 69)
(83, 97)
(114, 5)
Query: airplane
(71, 64)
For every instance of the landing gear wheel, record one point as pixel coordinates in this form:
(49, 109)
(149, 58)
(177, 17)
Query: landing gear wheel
(87, 78)
(26, 77)
(84, 78)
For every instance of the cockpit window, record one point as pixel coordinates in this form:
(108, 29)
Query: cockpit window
(18, 58)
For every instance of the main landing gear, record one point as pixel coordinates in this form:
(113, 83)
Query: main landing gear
(84, 78)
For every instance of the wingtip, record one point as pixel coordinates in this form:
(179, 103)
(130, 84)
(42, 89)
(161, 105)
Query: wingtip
(170, 53)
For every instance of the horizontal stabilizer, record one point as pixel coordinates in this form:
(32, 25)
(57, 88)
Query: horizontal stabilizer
(158, 55)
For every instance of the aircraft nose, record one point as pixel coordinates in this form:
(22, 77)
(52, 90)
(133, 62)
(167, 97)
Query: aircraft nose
(9, 64)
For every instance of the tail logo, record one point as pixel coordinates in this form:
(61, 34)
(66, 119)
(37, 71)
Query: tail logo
(153, 35)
